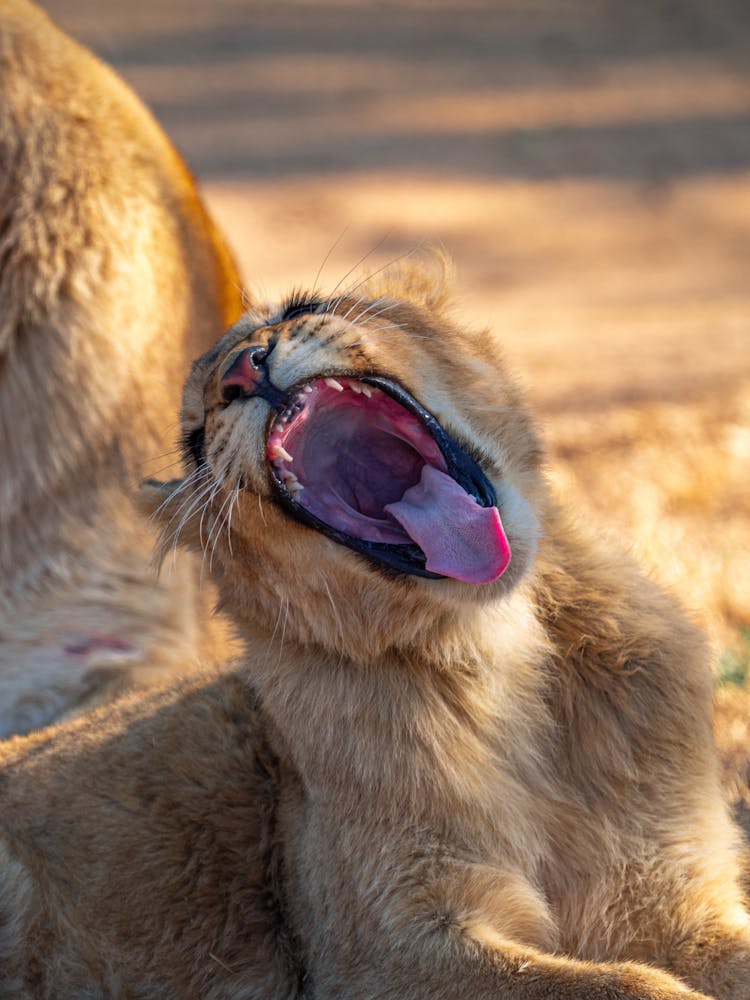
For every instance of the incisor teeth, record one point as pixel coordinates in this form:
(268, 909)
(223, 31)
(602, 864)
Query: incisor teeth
(334, 384)
(280, 452)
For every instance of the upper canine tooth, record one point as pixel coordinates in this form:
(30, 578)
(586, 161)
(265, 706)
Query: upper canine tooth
(334, 384)
(278, 451)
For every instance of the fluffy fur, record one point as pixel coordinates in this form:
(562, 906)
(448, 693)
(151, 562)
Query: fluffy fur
(411, 788)
(112, 277)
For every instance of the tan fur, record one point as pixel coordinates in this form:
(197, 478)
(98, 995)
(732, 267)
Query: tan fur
(411, 788)
(112, 277)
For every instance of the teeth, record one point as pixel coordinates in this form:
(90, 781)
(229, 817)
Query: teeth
(278, 451)
(308, 388)
(359, 387)
(334, 384)
(293, 485)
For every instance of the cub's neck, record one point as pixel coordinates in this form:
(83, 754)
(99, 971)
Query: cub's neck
(421, 725)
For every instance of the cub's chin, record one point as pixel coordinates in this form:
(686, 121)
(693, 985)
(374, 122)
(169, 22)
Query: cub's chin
(323, 441)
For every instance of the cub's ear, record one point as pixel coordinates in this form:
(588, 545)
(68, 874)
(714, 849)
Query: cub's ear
(156, 500)
(169, 506)
(425, 280)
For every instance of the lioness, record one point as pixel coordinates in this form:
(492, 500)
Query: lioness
(468, 752)
(112, 277)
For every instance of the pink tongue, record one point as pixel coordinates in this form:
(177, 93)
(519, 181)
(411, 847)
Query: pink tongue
(459, 538)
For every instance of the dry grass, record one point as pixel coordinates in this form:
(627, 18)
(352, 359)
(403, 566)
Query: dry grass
(671, 481)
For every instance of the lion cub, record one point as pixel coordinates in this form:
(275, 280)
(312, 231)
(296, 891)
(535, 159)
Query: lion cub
(468, 753)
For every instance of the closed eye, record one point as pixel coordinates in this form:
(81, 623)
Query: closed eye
(299, 305)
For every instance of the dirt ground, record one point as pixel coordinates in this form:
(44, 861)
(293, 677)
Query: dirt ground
(587, 165)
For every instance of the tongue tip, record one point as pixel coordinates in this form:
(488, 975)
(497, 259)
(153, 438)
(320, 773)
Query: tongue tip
(459, 538)
(487, 570)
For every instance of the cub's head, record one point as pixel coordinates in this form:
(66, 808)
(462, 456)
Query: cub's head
(359, 468)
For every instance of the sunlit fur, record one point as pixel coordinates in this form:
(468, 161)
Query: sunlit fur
(410, 788)
(112, 277)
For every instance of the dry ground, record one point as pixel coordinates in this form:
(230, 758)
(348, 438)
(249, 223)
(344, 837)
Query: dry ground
(587, 164)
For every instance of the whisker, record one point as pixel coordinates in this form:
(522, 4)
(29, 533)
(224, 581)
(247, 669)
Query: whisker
(199, 481)
(276, 626)
(384, 267)
(494, 409)
(283, 628)
(219, 525)
(196, 501)
(236, 497)
(359, 263)
(153, 473)
(198, 475)
(352, 308)
(372, 315)
(172, 451)
(370, 307)
(333, 246)
(206, 509)
(336, 615)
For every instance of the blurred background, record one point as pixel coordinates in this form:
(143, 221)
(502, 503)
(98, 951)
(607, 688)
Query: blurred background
(586, 164)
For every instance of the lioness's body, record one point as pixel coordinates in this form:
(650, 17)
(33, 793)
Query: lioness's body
(413, 789)
(112, 277)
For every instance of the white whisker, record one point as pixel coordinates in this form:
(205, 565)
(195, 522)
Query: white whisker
(232, 505)
(215, 530)
(359, 263)
(196, 501)
(336, 615)
(195, 477)
(333, 246)
(262, 512)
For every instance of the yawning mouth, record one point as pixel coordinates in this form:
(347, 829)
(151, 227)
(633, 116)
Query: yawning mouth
(363, 462)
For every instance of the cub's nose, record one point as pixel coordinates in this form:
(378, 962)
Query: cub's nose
(246, 373)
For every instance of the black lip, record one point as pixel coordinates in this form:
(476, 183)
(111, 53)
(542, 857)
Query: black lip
(461, 466)
(194, 444)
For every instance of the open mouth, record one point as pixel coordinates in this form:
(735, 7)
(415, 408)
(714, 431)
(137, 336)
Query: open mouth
(363, 462)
